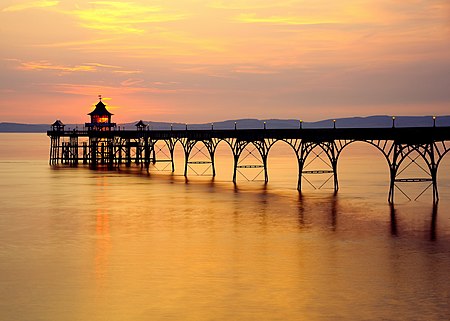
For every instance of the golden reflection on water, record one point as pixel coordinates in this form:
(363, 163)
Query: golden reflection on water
(102, 233)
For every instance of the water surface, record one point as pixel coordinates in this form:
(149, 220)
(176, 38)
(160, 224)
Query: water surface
(77, 244)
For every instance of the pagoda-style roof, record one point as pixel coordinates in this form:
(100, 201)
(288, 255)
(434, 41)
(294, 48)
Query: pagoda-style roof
(100, 109)
(140, 124)
(58, 123)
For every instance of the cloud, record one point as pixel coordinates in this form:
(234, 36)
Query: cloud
(282, 20)
(102, 65)
(84, 67)
(127, 71)
(131, 82)
(128, 87)
(76, 44)
(46, 65)
(246, 5)
(121, 17)
(30, 5)
(255, 70)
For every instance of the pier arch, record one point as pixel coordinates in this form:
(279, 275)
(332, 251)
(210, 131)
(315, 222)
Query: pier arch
(363, 164)
(282, 162)
(199, 153)
(224, 160)
(250, 153)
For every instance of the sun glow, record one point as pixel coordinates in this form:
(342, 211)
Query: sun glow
(202, 61)
(100, 119)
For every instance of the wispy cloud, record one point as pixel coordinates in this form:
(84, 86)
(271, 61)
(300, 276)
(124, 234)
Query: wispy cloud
(130, 82)
(255, 70)
(77, 44)
(121, 90)
(121, 17)
(84, 67)
(246, 5)
(127, 72)
(284, 20)
(46, 65)
(30, 5)
(96, 64)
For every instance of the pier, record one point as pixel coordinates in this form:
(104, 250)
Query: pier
(102, 144)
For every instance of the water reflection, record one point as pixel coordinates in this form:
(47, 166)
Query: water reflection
(333, 201)
(394, 231)
(310, 208)
(102, 232)
(433, 222)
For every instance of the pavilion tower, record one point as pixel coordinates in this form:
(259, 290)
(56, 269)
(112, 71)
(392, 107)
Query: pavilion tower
(100, 118)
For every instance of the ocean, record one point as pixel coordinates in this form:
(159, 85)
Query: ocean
(82, 244)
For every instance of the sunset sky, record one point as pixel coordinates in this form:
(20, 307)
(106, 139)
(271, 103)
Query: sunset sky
(201, 61)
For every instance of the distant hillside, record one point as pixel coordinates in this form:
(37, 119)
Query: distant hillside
(23, 128)
(352, 122)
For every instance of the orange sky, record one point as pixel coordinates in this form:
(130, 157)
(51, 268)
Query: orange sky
(202, 61)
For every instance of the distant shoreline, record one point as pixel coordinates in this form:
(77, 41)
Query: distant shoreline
(352, 122)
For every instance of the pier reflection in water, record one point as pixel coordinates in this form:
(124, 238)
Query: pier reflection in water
(77, 244)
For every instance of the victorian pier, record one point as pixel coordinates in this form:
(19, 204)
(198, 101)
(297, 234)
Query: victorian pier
(101, 144)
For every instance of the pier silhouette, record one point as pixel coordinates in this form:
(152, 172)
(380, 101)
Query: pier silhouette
(122, 147)
(107, 146)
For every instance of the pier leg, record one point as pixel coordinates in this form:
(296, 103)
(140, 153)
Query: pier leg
(94, 147)
(119, 154)
(102, 153)
(128, 154)
(393, 174)
(146, 154)
(153, 154)
(213, 166)
(110, 155)
(335, 175)
(50, 160)
(266, 174)
(74, 150)
(172, 161)
(66, 152)
(170, 143)
(187, 150)
(186, 164)
(236, 162)
(85, 157)
(138, 154)
(433, 171)
(435, 186)
(187, 146)
(300, 171)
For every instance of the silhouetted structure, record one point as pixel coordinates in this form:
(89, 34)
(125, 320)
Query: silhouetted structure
(58, 125)
(140, 125)
(114, 148)
(100, 117)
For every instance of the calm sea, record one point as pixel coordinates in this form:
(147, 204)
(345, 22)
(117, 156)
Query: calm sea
(78, 244)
